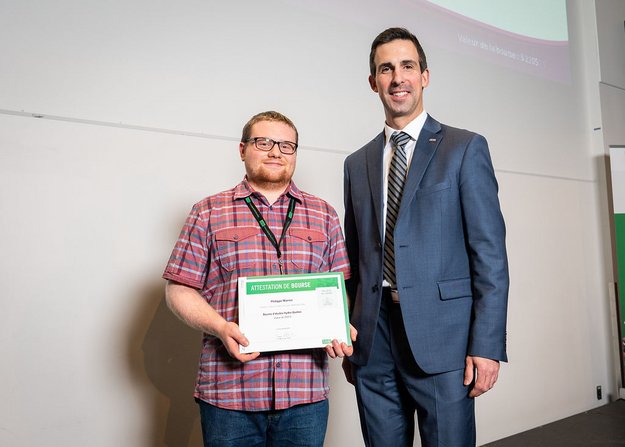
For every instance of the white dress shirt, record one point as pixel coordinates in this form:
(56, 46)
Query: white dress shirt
(413, 128)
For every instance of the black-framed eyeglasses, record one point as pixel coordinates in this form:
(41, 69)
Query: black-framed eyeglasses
(266, 144)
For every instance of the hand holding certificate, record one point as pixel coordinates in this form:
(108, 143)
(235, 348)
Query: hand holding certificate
(278, 313)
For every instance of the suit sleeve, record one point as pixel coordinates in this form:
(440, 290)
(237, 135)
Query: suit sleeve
(485, 236)
(351, 237)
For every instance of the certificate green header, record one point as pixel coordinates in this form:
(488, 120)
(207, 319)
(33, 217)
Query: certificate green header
(293, 285)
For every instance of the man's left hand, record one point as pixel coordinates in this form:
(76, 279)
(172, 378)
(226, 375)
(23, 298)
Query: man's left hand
(337, 349)
(482, 372)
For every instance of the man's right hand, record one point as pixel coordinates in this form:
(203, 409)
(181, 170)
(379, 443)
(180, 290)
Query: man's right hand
(231, 336)
(191, 307)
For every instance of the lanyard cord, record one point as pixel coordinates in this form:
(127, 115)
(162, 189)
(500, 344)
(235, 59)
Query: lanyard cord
(263, 225)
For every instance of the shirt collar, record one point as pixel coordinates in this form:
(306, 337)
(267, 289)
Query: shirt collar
(413, 128)
(244, 189)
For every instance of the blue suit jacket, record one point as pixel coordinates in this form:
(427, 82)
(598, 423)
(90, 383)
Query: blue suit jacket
(452, 271)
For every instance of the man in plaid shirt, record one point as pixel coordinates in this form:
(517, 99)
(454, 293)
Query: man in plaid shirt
(273, 399)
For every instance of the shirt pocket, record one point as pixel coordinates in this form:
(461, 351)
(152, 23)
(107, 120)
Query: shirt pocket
(236, 249)
(307, 250)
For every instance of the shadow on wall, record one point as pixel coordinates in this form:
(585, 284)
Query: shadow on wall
(163, 358)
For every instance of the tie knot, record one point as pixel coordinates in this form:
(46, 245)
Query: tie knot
(400, 139)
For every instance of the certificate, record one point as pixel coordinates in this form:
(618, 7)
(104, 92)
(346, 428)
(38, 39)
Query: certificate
(278, 313)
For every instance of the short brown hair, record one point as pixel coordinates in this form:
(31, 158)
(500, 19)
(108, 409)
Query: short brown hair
(270, 115)
(391, 34)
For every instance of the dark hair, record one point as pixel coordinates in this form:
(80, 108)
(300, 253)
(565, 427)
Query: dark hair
(391, 34)
(267, 116)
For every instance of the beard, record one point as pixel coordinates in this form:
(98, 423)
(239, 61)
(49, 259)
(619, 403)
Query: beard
(263, 178)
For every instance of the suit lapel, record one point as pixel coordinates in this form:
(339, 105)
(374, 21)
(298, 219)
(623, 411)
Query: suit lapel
(429, 139)
(374, 154)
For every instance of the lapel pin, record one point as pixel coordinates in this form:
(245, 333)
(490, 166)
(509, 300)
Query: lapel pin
(432, 140)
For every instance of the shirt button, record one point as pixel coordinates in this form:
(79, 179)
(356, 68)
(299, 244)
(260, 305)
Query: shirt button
(309, 238)
(278, 365)
(236, 237)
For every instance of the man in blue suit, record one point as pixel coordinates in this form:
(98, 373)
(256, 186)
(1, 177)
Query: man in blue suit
(426, 242)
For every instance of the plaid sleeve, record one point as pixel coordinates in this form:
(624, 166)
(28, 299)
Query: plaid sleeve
(188, 263)
(338, 259)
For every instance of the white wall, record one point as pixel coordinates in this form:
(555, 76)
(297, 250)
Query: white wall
(142, 105)
(610, 38)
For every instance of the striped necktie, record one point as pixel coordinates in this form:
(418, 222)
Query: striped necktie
(396, 180)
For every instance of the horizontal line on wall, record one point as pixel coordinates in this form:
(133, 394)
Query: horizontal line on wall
(145, 128)
(611, 85)
(226, 138)
(549, 176)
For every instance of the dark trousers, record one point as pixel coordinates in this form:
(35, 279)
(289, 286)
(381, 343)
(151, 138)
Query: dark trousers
(392, 387)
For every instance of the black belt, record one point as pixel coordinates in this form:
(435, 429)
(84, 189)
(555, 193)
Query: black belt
(393, 294)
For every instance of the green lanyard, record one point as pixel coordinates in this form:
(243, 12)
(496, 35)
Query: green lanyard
(263, 225)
